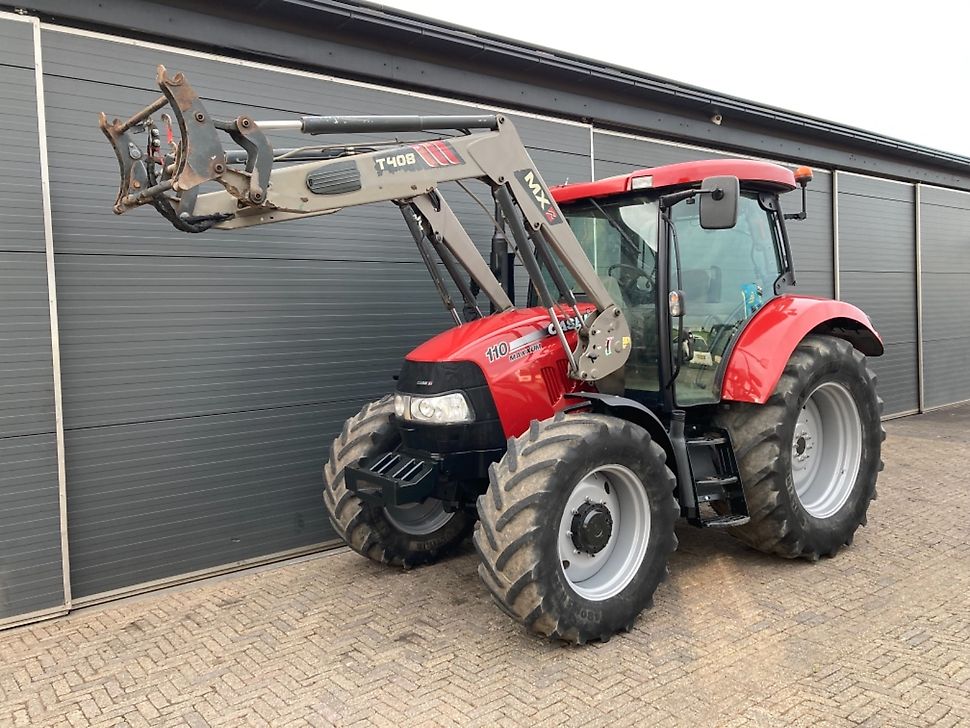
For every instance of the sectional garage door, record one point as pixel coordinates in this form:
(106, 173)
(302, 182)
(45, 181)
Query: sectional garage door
(205, 376)
(945, 244)
(31, 576)
(877, 271)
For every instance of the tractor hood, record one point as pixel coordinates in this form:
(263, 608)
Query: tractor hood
(519, 354)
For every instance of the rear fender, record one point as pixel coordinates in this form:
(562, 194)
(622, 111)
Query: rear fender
(767, 341)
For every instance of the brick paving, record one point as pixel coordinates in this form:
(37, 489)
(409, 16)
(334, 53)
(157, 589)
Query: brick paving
(878, 636)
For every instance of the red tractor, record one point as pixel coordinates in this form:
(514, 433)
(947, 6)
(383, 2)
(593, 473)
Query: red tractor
(661, 368)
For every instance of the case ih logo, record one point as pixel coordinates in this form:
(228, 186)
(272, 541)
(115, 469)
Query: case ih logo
(530, 180)
(418, 156)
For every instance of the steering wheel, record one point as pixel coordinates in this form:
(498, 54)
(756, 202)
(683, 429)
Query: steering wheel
(727, 324)
(637, 270)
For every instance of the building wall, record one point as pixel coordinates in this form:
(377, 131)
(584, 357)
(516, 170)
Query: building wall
(31, 577)
(877, 272)
(945, 258)
(204, 376)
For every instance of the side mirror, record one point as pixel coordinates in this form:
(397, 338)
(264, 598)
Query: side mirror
(719, 202)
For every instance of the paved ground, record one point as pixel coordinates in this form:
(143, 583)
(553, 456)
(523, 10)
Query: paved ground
(878, 636)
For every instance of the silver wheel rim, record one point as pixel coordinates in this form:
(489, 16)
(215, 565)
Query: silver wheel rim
(606, 573)
(826, 450)
(418, 519)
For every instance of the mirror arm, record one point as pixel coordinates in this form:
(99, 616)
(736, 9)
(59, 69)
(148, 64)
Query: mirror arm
(668, 201)
(804, 213)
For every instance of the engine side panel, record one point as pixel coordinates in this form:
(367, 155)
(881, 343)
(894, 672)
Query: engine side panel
(521, 357)
(767, 341)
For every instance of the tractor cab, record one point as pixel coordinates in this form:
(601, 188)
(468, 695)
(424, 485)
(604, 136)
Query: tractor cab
(691, 252)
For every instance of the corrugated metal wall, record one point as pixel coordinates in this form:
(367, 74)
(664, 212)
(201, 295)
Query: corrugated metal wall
(877, 272)
(945, 244)
(31, 578)
(204, 376)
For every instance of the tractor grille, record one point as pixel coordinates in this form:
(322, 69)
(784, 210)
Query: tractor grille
(555, 380)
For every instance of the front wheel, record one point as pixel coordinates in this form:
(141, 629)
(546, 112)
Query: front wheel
(809, 457)
(408, 535)
(576, 526)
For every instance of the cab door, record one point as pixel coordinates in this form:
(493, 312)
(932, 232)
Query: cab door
(726, 276)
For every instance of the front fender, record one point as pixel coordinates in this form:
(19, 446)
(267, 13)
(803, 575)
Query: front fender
(767, 341)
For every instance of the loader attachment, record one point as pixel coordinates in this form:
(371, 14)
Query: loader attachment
(169, 179)
(165, 162)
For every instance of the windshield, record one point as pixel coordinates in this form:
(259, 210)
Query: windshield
(620, 237)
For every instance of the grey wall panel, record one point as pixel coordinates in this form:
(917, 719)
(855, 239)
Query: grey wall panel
(813, 283)
(945, 238)
(946, 231)
(897, 385)
(16, 43)
(945, 374)
(21, 225)
(877, 257)
(639, 153)
(158, 499)
(30, 548)
(26, 372)
(876, 234)
(146, 338)
(888, 299)
(811, 238)
(946, 300)
(30, 541)
(875, 188)
(606, 168)
(946, 341)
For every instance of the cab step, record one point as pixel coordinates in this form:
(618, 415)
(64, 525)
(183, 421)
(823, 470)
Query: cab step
(715, 488)
(716, 479)
(729, 521)
(706, 441)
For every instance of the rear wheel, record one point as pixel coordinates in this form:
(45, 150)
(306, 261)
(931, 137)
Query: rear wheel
(408, 535)
(809, 457)
(576, 526)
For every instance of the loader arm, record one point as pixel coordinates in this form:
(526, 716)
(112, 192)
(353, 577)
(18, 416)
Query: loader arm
(262, 185)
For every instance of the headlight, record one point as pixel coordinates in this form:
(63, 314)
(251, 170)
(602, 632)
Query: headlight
(442, 409)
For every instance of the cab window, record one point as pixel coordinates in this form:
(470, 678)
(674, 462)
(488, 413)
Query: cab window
(726, 276)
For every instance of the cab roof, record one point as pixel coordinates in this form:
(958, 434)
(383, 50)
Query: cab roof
(764, 174)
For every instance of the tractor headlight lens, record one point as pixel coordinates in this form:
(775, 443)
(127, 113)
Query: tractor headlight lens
(424, 409)
(441, 409)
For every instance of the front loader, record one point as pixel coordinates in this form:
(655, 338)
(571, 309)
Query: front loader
(660, 368)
